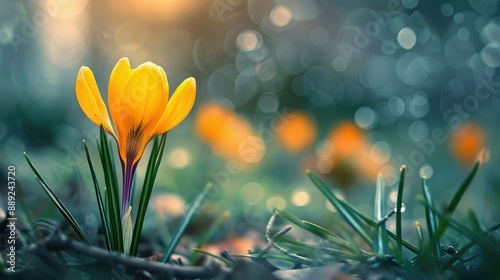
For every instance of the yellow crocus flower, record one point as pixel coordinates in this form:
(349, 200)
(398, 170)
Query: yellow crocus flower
(139, 106)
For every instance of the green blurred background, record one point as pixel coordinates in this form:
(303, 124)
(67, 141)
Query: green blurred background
(344, 88)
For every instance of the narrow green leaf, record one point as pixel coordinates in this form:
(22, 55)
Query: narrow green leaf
(321, 231)
(356, 249)
(280, 257)
(198, 202)
(354, 211)
(399, 206)
(209, 233)
(380, 240)
(113, 209)
(374, 224)
(466, 248)
(350, 219)
(455, 200)
(420, 233)
(104, 220)
(474, 221)
(312, 228)
(224, 260)
(470, 234)
(431, 220)
(58, 203)
(461, 190)
(307, 248)
(147, 189)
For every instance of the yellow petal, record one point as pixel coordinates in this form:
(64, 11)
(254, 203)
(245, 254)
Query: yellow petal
(164, 80)
(178, 106)
(116, 87)
(90, 100)
(138, 109)
(143, 99)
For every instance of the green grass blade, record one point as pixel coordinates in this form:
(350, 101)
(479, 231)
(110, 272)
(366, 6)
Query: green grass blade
(470, 234)
(100, 203)
(399, 205)
(347, 236)
(374, 224)
(431, 220)
(466, 248)
(58, 203)
(147, 189)
(185, 222)
(224, 260)
(348, 217)
(455, 200)
(369, 221)
(310, 250)
(280, 257)
(209, 233)
(113, 209)
(312, 228)
(380, 240)
(461, 190)
(474, 221)
(321, 231)
(420, 234)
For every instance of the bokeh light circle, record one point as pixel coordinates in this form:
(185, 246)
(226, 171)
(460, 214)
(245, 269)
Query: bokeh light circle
(268, 102)
(300, 197)
(412, 68)
(407, 38)
(248, 40)
(252, 193)
(339, 64)
(365, 117)
(388, 47)
(409, 4)
(179, 158)
(490, 55)
(418, 131)
(447, 9)
(418, 104)
(396, 106)
(380, 152)
(426, 171)
(280, 16)
(463, 34)
(277, 202)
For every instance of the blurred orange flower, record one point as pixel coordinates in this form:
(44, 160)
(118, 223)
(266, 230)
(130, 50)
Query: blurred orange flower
(466, 142)
(235, 245)
(296, 130)
(169, 205)
(223, 129)
(347, 155)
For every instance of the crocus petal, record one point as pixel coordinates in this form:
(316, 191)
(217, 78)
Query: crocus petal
(145, 98)
(178, 106)
(141, 104)
(90, 100)
(118, 79)
(164, 80)
(116, 87)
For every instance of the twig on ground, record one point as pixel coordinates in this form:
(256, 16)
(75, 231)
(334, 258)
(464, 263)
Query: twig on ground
(58, 241)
